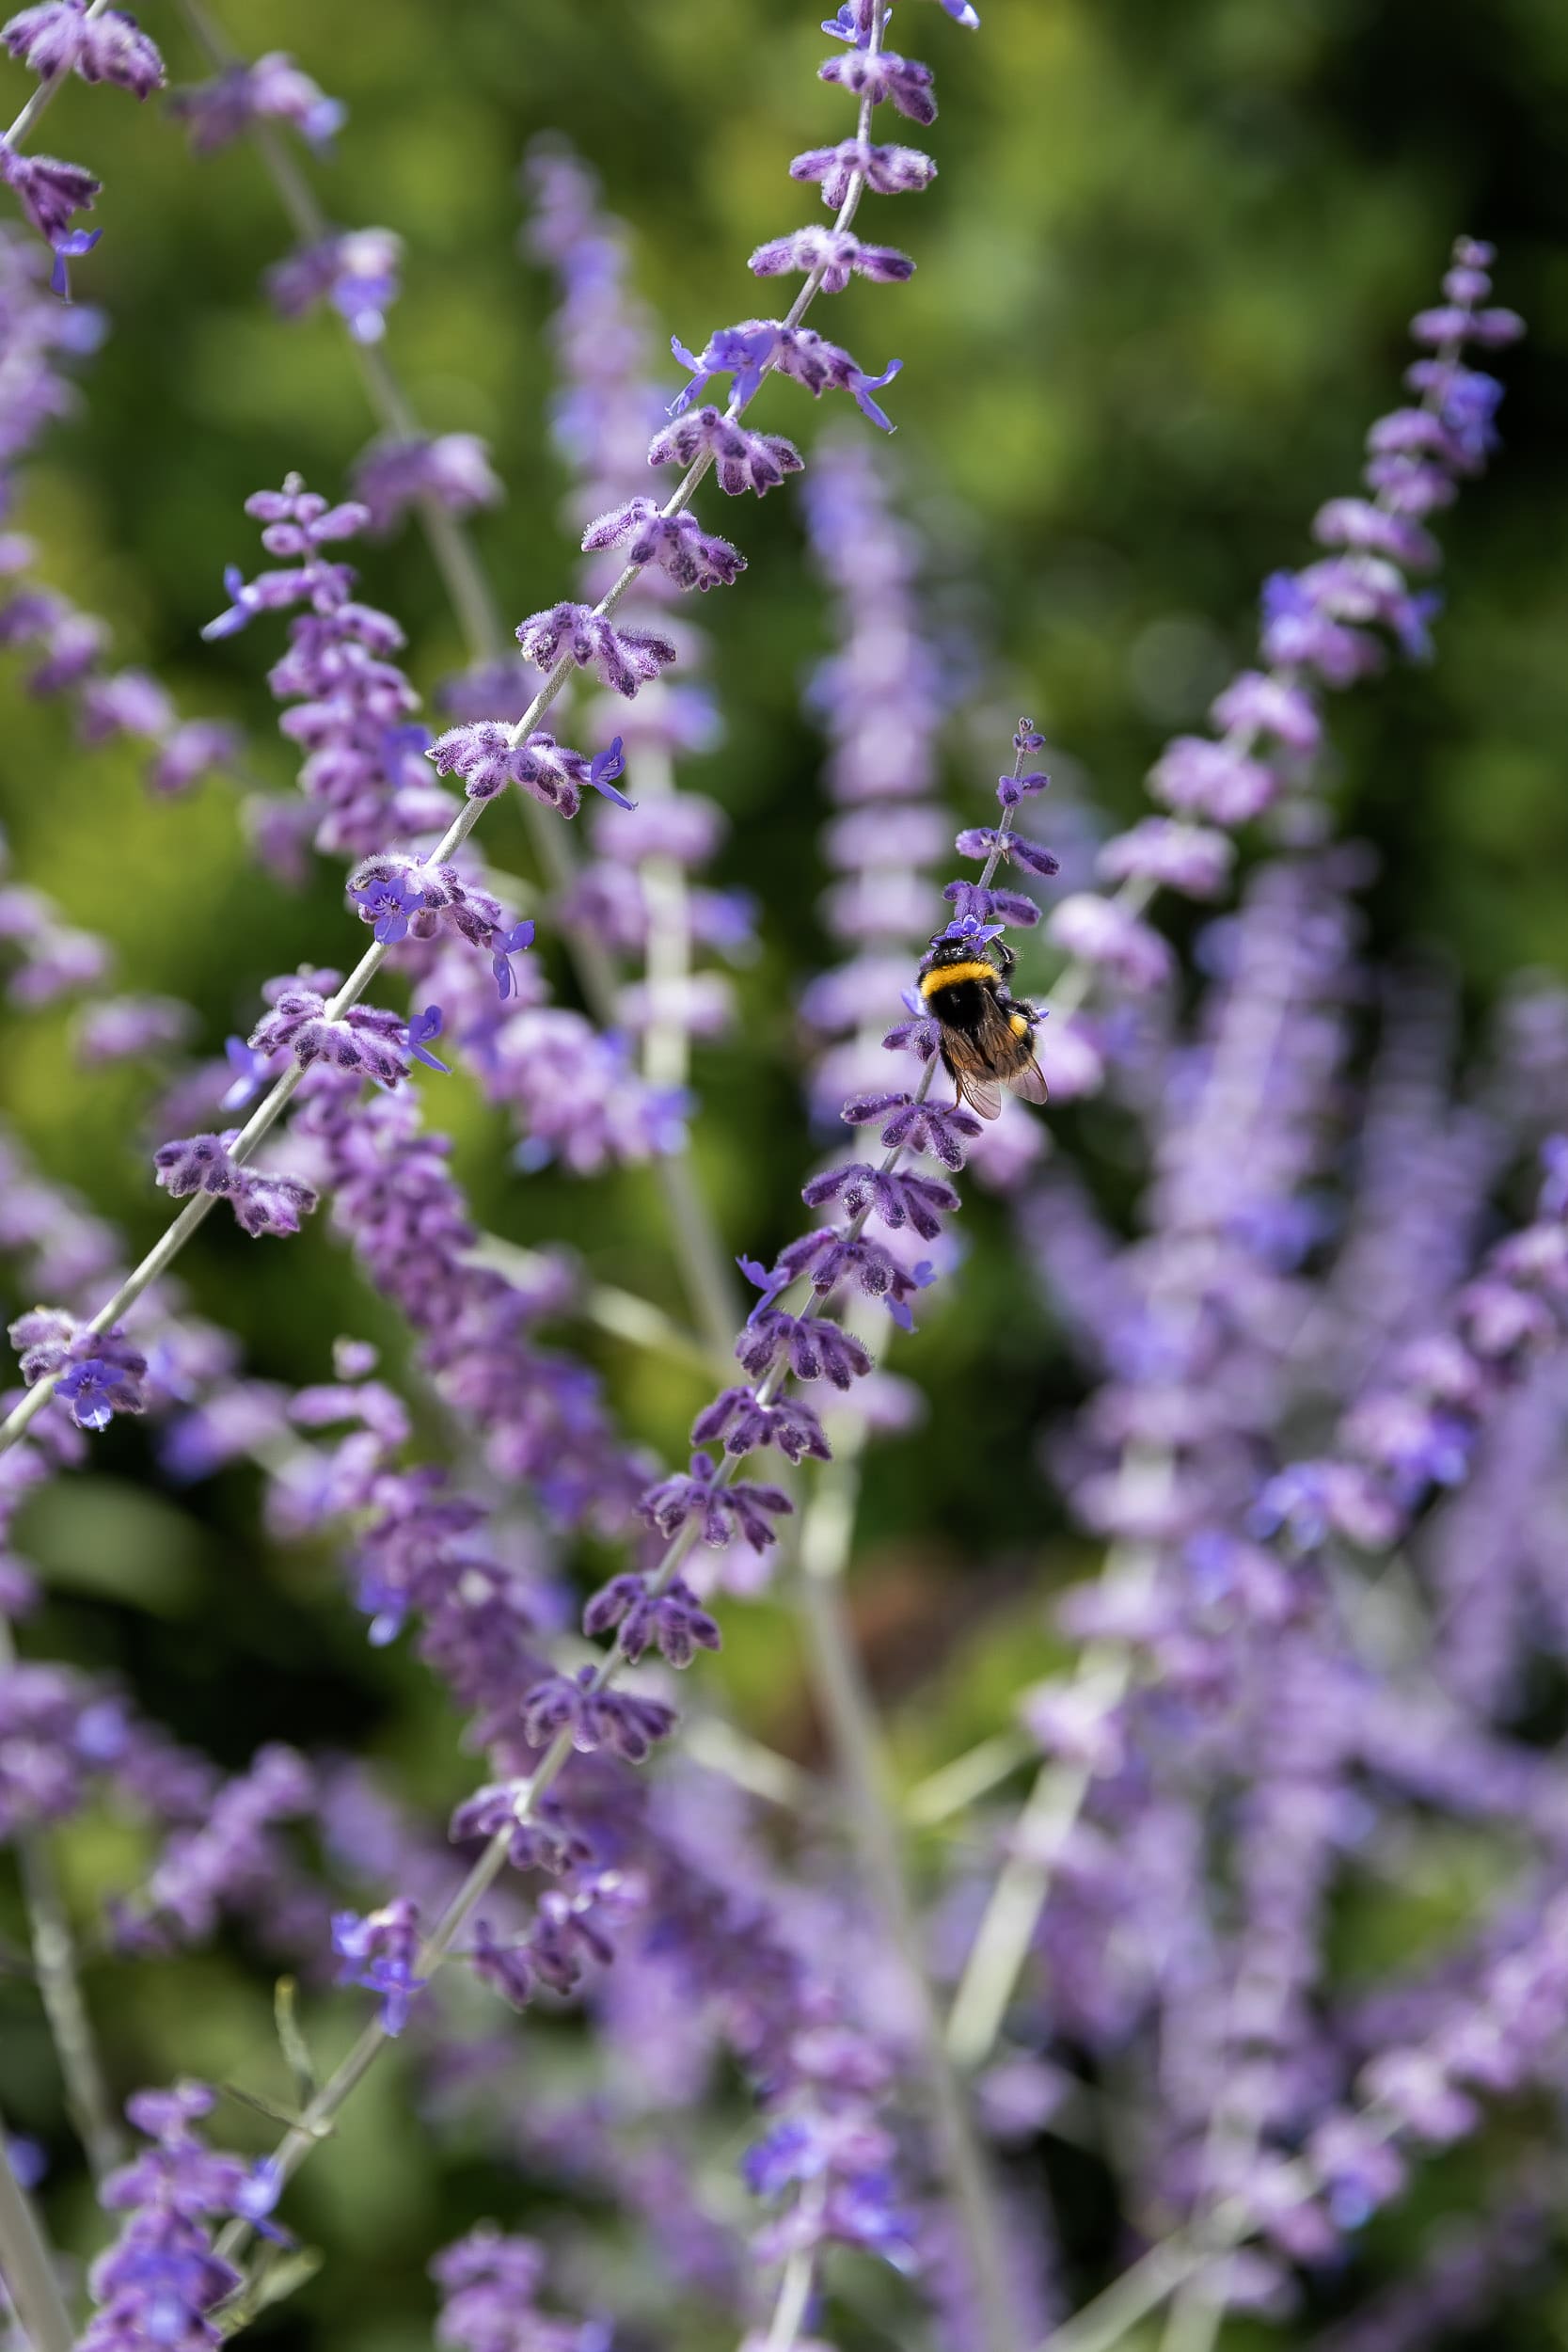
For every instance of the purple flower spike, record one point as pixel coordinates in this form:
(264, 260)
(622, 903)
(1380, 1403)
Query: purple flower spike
(504, 945)
(604, 768)
(388, 904)
(423, 1026)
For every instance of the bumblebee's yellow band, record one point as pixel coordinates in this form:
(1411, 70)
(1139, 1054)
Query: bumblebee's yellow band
(950, 974)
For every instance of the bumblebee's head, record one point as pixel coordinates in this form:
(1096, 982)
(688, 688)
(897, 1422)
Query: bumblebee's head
(975, 945)
(944, 949)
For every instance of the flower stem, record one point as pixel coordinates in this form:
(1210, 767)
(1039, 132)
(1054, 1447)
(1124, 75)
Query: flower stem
(1103, 2324)
(825, 1536)
(46, 92)
(60, 1986)
(27, 2266)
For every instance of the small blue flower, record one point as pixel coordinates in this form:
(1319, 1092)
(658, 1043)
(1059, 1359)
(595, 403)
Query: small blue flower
(403, 751)
(388, 904)
(87, 1388)
(1554, 1191)
(969, 928)
(862, 386)
(604, 768)
(242, 607)
(69, 246)
(770, 1284)
(255, 2196)
(250, 1074)
(423, 1026)
(961, 14)
(504, 945)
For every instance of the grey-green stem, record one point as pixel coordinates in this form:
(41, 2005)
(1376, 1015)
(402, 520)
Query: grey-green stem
(47, 91)
(28, 2266)
(60, 1984)
(825, 1541)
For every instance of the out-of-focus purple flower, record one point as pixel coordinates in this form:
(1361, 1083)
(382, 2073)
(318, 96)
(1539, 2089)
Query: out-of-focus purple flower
(356, 270)
(63, 37)
(451, 468)
(379, 1951)
(273, 88)
(161, 2280)
(489, 2299)
(122, 1028)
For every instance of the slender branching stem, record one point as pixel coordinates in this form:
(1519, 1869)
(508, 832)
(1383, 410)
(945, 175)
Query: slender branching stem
(27, 2266)
(88, 2099)
(826, 1533)
(46, 92)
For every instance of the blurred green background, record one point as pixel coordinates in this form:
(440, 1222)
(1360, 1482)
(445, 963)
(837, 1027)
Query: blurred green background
(1163, 284)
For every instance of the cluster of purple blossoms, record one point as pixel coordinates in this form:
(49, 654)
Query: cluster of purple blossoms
(490, 2285)
(1326, 626)
(272, 88)
(363, 776)
(161, 2280)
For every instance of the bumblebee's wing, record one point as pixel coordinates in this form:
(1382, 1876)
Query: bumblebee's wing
(981, 1094)
(1028, 1084)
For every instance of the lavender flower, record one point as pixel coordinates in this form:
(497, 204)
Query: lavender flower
(272, 88)
(61, 36)
(378, 1951)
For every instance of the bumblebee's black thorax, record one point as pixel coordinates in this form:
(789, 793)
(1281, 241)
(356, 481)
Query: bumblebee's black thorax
(955, 984)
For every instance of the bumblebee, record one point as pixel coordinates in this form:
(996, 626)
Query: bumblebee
(987, 1035)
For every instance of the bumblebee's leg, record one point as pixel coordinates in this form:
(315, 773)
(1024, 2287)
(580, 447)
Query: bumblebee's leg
(1005, 957)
